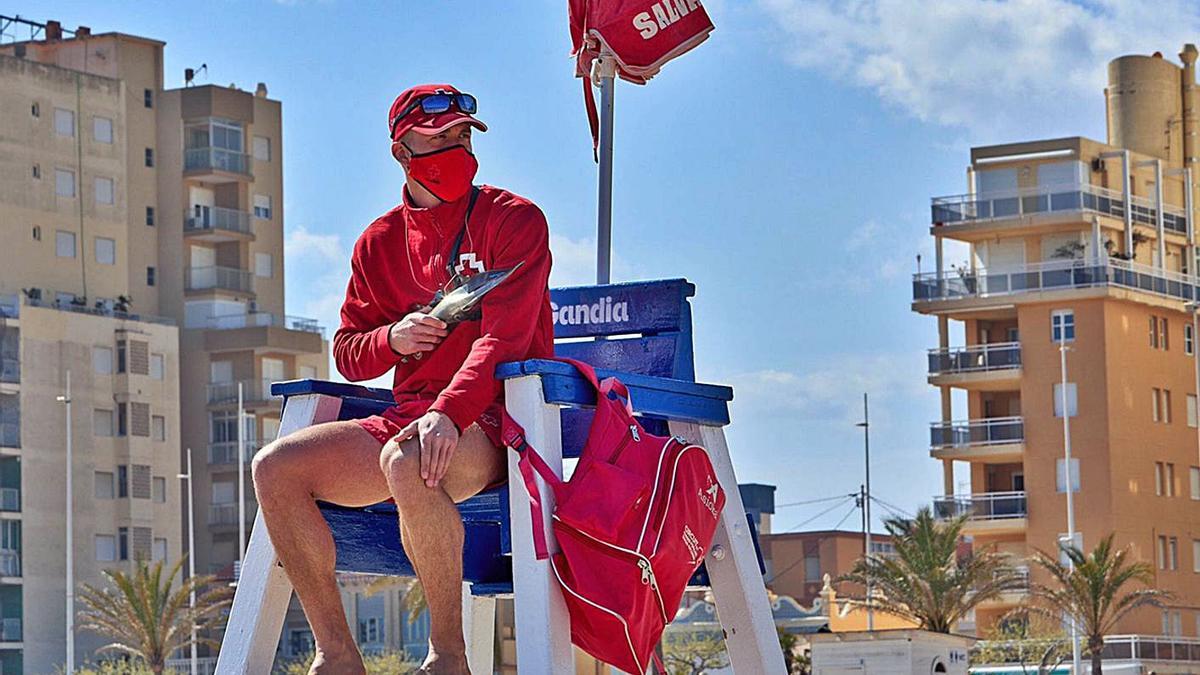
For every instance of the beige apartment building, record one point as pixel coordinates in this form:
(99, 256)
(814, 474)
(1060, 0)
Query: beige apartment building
(143, 252)
(1089, 245)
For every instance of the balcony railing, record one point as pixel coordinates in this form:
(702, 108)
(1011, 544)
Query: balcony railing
(252, 390)
(10, 435)
(226, 514)
(957, 209)
(228, 278)
(205, 665)
(216, 159)
(48, 299)
(966, 433)
(226, 451)
(248, 319)
(10, 306)
(10, 370)
(1116, 648)
(10, 563)
(975, 359)
(985, 506)
(216, 218)
(10, 499)
(1051, 276)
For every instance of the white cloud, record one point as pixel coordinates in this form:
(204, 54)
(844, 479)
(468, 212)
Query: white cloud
(992, 67)
(575, 262)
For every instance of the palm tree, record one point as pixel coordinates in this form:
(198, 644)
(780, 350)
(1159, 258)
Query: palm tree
(146, 618)
(925, 580)
(1094, 594)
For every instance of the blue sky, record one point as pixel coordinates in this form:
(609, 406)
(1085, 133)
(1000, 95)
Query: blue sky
(785, 167)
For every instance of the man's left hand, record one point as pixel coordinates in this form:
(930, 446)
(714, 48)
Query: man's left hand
(438, 438)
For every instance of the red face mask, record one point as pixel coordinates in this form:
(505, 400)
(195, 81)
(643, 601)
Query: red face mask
(445, 173)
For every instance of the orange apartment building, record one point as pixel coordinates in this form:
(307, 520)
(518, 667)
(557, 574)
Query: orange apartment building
(1091, 244)
(797, 562)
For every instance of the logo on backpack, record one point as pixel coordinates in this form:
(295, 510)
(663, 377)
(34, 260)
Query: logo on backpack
(708, 496)
(695, 550)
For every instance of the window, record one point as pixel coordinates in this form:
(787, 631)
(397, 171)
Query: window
(1172, 553)
(148, 98)
(102, 360)
(263, 265)
(306, 372)
(1166, 406)
(262, 206)
(102, 129)
(1164, 335)
(1155, 398)
(158, 428)
(104, 190)
(156, 366)
(150, 216)
(1196, 561)
(104, 485)
(64, 122)
(106, 251)
(1191, 410)
(1159, 478)
(262, 148)
(223, 493)
(37, 232)
(1153, 332)
(122, 481)
(149, 156)
(64, 244)
(35, 109)
(1194, 476)
(150, 276)
(64, 182)
(122, 543)
(812, 568)
(122, 419)
(106, 548)
(102, 422)
(1062, 325)
(37, 171)
(122, 350)
(1169, 480)
(160, 549)
(1060, 475)
(1072, 400)
(1162, 552)
(1189, 339)
(1172, 622)
(160, 490)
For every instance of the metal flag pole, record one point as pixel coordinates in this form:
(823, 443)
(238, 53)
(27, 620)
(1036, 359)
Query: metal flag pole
(604, 76)
(70, 537)
(195, 670)
(866, 427)
(241, 497)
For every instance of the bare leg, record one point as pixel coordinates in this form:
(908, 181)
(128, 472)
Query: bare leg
(336, 462)
(432, 532)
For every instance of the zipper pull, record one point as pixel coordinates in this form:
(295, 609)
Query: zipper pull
(645, 567)
(636, 436)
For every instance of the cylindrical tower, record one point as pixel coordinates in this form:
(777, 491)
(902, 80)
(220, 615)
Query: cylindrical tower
(1145, 107)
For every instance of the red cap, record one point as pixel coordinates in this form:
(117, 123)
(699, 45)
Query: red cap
(421, 122)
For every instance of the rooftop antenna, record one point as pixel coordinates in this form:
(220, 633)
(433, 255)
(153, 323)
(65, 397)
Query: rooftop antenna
(189, 74)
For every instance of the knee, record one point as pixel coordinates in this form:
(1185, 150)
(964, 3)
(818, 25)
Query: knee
(401, 465)
(270, 471)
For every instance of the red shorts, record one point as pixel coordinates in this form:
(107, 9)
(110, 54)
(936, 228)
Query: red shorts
(391, 421)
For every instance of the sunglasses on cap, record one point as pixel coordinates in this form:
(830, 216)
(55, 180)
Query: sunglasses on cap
(433, 104)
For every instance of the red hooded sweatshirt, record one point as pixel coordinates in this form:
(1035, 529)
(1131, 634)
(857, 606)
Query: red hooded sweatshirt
(398, 264)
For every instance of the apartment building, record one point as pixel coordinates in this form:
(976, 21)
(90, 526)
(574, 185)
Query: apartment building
(798, 562)
(1089, 246)
(143, 252)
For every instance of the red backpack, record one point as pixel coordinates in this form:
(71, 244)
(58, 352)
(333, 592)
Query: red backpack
(633, 524)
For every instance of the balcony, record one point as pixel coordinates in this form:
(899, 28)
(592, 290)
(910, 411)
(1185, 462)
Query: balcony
(254, 319)
(225, 452)
(1057, 275)
(255, 393)
(10, 370)
(987, 513)
(993, 440)
(265, 331)
(226, 514)
(988, 367)
(10, 563)
(48, 299)
(10, 630)
(216, 165)
(223, 278)
(217, 224)
(1128, 653)
(10, 499)
(10, 435)
(1014, 596)
(957, 213)
(10, 306)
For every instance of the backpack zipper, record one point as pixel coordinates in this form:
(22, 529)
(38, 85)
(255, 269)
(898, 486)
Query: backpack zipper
(648, 577)
(633, 436)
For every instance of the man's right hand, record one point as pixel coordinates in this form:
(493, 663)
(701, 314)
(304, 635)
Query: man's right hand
(417, 332)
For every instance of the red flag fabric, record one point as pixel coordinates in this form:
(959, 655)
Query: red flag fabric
(641, 35)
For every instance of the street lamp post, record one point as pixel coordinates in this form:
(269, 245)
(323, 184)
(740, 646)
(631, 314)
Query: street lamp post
(66, 398)
(241, 492)
(191, 554)
(1068, 484)
(866, 427)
